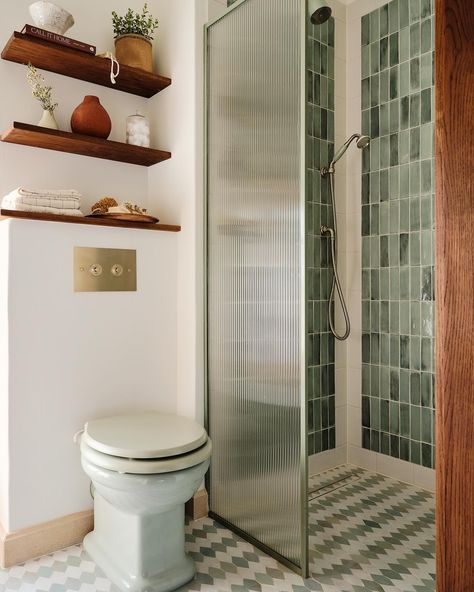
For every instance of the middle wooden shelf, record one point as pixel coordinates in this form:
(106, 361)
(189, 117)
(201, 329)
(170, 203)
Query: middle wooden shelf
(41, 137)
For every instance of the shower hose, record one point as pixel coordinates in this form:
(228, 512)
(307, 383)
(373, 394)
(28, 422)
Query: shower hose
(336, 284)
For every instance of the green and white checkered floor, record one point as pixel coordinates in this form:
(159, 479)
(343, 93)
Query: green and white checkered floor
(367, 533)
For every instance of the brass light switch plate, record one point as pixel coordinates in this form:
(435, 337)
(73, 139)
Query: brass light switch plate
(105, 270)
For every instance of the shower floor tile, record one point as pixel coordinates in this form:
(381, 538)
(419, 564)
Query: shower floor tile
(367, 533)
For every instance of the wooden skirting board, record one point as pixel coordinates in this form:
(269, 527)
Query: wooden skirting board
(198, 507)
(17, 547)
(28, 543)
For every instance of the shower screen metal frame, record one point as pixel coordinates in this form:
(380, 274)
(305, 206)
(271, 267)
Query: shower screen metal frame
(303, 568)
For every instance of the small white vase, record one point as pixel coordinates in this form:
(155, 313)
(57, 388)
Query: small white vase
(48, 120)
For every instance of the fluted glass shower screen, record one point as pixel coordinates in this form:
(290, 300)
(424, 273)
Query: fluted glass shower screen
(255, 274)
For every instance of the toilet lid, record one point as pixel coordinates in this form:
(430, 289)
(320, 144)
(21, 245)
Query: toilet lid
(144, 435)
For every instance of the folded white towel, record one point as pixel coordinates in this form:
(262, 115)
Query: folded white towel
(19, 197)
(62, 193)
(19, 207)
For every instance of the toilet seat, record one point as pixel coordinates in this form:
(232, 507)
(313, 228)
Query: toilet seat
(147, 435)
(145, 443)
(146, 466)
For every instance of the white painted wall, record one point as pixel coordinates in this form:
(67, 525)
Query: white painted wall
(175, 187)
(4, 377)
(77, 356)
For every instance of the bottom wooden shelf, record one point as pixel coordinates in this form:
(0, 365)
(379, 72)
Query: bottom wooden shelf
(8, 214)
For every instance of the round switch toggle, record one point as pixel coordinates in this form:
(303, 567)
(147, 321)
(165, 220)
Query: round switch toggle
(117, 270)
(96, 269)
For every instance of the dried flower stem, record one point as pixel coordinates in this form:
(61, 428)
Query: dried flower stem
(39, 90)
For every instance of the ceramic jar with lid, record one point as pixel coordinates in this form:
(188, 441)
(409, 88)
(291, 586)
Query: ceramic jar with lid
(138, 130)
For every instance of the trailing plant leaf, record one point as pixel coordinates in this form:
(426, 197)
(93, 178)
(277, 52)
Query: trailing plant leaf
(135, 23)
(39, 90)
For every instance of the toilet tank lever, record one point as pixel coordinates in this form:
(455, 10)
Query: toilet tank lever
(76, 435)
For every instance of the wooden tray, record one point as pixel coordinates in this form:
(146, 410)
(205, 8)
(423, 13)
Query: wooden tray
(127, 217)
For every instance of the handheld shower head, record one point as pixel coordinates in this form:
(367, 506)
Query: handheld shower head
(319, 11)
(361, 143)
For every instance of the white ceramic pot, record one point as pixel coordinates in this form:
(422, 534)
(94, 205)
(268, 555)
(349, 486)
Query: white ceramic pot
(51, 17)
(48, 120)
(138, 130)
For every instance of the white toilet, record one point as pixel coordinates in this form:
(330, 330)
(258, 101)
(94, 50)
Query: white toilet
(144, 467)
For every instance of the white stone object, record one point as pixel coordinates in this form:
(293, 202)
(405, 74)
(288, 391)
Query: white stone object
(51, 17)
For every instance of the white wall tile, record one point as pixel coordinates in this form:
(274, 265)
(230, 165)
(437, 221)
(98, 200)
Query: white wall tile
(317, 463)
(362, 458)
(425, 478)
(354, 425)
(395, 468)
(341, 387)
(341, 426)
(354, 382)
(338, 9)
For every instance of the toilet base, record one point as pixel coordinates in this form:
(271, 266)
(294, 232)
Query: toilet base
(140, 553)
(165, 581)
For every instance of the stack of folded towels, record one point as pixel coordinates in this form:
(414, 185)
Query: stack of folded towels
(66, 202)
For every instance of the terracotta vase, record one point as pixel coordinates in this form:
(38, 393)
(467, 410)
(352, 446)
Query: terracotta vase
(135, 51)
(91, 119)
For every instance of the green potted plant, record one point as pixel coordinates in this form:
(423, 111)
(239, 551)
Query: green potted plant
(133, 38)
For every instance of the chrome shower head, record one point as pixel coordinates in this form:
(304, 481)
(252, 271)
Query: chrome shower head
(319, 11)
(363, 142)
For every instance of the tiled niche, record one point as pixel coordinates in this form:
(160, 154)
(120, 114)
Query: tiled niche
(398, 397)
(320, 342)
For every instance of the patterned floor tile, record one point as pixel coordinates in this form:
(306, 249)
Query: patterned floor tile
(367, 533)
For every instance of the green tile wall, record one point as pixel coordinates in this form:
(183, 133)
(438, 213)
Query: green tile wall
(320, 342)
(398, 396)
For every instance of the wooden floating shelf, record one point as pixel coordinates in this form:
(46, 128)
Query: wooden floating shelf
(8, 214)
(41, 137)
(23, 49)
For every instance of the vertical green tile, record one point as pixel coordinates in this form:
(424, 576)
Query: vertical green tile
(415, 10)
(374, 26)
(415, 40)
(404, 13)
(398, 230)
(404, 44)
(393, 21)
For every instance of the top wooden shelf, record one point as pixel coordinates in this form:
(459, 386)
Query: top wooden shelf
(25, 49)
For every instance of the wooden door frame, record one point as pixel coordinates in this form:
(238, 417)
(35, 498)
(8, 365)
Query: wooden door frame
(455, 294)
